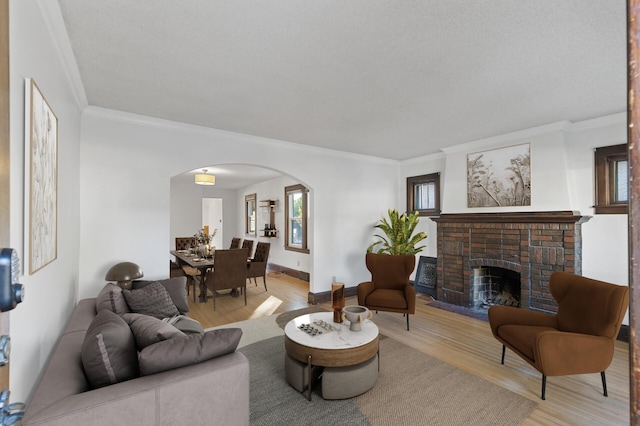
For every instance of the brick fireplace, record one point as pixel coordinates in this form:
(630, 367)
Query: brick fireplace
(533, 245)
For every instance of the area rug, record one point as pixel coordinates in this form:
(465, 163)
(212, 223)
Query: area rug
(481, 315)
(412, 389)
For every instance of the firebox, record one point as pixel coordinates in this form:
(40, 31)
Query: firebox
(493, 286)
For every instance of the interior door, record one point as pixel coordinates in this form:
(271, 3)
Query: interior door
(212, 217)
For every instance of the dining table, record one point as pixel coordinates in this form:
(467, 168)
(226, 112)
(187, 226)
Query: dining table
(203, 264)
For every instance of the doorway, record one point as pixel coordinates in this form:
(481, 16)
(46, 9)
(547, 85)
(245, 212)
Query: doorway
(212, 217)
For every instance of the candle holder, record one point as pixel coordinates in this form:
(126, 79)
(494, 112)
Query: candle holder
(337, 300)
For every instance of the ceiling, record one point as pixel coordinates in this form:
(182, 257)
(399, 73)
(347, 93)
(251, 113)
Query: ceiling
(390, 78)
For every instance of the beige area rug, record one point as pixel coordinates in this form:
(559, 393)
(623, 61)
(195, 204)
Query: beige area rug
(416, 389)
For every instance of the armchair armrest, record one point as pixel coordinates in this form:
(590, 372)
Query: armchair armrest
(503, 315)
(364, 289)
(559, 353)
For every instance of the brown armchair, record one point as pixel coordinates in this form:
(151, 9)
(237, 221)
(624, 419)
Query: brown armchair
(389, 289)
(229, 272)
(579, 339)
(257, 267)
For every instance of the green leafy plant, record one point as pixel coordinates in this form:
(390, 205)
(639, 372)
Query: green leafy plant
(398, 235)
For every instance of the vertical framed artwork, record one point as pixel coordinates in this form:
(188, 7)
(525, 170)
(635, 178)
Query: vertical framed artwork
(499, 177)
(41, 180)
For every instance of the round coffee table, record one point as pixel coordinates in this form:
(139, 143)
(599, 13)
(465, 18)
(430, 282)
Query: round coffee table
(339, 348)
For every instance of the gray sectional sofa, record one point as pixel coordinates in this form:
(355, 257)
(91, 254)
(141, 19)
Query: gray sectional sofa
(215, 391)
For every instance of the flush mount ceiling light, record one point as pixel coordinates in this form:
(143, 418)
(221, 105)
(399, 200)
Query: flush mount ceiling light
(205, 179)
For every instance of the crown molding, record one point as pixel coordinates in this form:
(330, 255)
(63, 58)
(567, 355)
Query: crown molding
(52, 16)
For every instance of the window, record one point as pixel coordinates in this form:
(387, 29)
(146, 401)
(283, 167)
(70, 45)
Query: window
(612, 182)
(296, 218)
(250, 213)
(423, 194)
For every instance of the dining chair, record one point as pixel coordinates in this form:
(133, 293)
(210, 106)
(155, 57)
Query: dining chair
(228, 273)
(235, 243)
(248, 244)
(193, 275)
(257, 267)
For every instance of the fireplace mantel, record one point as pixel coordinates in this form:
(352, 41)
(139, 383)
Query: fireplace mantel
(563, 216)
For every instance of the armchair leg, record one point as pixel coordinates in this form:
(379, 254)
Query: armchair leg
(604, 383)
(407, 322)
(504, 348)
(544, 385)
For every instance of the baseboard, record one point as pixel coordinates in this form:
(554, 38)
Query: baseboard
(325, 297)
(301, 275)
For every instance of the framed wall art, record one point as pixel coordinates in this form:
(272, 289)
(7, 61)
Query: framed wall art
(41, 180)
(499, 177)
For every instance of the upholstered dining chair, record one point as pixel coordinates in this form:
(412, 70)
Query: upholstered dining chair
(578, 339)
(248, 244)
(192, 274)
(389, 288)
(229, 272)
(184, 243)
(235, 243)
(257, 267)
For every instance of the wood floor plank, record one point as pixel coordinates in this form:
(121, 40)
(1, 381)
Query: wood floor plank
(461, 341)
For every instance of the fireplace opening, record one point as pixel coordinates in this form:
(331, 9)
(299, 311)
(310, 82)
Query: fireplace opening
(495, 286)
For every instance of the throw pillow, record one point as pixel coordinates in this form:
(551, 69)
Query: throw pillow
(177, 288)
(109, 352)
(191, 349)
(111, 298)
(153, 300)
(185, 324)
(149, 330)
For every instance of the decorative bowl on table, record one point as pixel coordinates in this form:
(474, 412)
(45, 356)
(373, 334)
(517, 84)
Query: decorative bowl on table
(356, 315)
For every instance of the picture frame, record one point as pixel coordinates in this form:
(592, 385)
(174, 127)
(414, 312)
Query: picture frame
(426, 280)
(499, 177)
(41, 180)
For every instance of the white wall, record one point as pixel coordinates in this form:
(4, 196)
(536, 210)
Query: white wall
(127, 163)
(186, 210)
(51, 293)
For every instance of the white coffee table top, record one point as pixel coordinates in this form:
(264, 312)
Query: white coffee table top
(341, 338)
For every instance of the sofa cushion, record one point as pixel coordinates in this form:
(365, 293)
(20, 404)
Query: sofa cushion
(153, 300)
(177, 288)
(111, 298)
(109, 352)
(149, 330)
(191, 349)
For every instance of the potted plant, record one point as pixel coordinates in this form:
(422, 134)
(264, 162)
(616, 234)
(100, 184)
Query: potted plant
(398, 235)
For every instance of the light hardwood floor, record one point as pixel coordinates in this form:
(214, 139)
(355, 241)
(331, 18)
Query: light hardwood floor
(461, 341)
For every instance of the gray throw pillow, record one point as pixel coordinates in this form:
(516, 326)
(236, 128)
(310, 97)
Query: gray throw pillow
(153, 300)
(109, 352)
(177, 288)
(111, 298)
(191, 349)
(149, 330)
